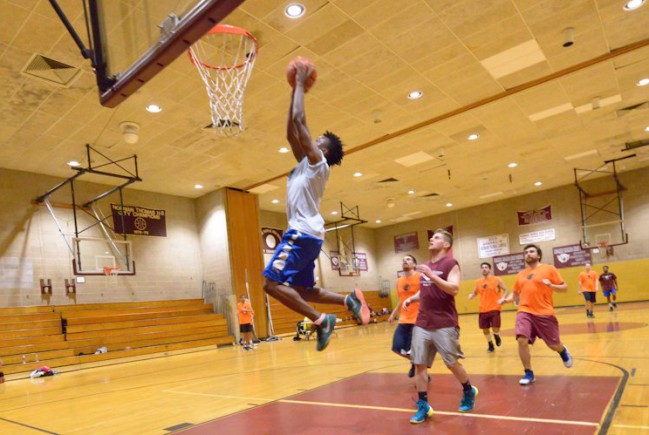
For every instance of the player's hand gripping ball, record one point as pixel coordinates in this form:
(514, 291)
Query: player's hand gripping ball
(291, 72)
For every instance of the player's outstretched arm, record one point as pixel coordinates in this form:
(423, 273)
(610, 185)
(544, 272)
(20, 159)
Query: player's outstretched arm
(309, 149)
(291, 132)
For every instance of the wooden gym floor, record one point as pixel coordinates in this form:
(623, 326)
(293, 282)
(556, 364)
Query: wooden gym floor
(356, 386)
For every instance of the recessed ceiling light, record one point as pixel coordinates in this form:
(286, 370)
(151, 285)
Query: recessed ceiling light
(632, 5)
(275, 201)
(153, 108)
(538, 183)
(283, 150)
(198, 186)
(294, 10)
(411, 192)
(448, 204)
(643, 82)
(415, 95)
(334, 212)
(473, 136)
(646, 128)
(378, 221)
(358, 174)
(74, 163)
(512, 165)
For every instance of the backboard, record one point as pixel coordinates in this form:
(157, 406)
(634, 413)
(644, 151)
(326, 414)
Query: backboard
(136, 40)
(92, 256)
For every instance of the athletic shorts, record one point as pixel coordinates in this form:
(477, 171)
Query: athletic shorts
(294, 260)
(589, 296)
(490, 319)
(532, 326)
(246, 327)
(402, 338)
(427, 343)
(610, 292)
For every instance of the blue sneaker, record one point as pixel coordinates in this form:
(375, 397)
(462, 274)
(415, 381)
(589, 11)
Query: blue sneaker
(528, 378)
(566, 357)
(324, 331)
(423, 412)
(468, 400)
(355, 302)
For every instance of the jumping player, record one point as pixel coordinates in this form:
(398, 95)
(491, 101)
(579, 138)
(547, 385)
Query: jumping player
(407, 285)
(289, 274)
(492, 291)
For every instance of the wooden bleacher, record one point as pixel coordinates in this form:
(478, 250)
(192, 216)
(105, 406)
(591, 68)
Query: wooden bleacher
(56, 336)
(285, 320)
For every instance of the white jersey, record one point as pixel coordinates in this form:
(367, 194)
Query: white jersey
(306, 185)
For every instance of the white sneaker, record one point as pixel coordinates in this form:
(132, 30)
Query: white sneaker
(568, 361)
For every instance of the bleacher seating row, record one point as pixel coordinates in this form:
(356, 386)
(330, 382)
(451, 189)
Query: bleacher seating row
(57, 336)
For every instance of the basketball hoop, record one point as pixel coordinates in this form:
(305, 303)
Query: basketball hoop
(224, 58)
(110, 270)
(602, 244)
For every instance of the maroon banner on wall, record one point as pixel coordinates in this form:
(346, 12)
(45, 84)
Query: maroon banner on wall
(509, 264)
(532, 217)
(570, 256)
(139, 221)
(406, 242)
(361, 261)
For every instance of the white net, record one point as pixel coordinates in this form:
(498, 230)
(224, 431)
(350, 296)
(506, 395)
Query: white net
(224, 58)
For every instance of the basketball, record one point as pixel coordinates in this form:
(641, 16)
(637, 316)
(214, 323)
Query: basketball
(291, 70)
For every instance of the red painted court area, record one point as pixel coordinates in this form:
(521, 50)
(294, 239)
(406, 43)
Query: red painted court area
(381, 403)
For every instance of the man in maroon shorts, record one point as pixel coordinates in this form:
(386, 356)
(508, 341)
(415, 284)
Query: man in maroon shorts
(492, 291)
(535, 318)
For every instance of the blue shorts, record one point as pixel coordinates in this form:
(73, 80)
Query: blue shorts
(589, 296)
(610, 292)
(402, 338)
(294, 260)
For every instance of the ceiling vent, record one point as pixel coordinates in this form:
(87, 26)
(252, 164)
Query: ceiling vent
(430, 195)
(50, 70)
(388, 180)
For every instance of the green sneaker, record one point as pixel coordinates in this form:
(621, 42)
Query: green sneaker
(324, 331)
(355, 302)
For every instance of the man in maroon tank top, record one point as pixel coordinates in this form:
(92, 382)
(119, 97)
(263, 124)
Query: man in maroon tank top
(437, 329)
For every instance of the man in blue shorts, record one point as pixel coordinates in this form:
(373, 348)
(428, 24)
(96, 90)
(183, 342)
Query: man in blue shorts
(608, 280)
(407, 285)
(289, 274)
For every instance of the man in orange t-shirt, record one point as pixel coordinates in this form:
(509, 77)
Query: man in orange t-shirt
(407, 285)
(492, 291)
(588, 286)
(245, 313)
(534, 288)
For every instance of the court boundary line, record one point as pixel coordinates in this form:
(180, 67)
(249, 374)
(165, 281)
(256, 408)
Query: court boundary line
(630, 426)
(26, 425)
(451, 413)
(615, 400)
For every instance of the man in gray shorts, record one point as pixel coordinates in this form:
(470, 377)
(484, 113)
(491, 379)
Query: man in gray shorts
(437, 329)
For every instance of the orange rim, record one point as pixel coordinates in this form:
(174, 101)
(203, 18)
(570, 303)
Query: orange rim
(232, 30)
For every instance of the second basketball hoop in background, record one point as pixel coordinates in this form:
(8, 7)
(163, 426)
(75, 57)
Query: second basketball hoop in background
(291, 70)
